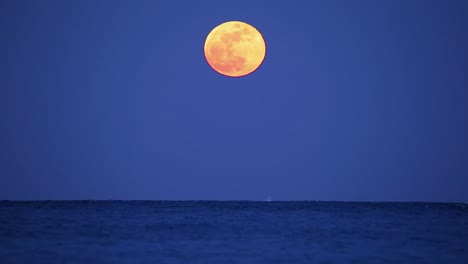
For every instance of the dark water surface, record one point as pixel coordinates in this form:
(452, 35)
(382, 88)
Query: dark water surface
(232, 232)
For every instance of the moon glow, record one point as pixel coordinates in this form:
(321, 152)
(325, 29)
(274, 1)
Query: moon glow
(235, 49)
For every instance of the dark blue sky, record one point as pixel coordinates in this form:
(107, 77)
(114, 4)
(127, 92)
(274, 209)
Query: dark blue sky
(356, 100)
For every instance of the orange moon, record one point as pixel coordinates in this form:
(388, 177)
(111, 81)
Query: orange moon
(234, 49)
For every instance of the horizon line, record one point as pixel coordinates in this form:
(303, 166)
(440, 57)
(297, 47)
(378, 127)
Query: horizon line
(225, 200)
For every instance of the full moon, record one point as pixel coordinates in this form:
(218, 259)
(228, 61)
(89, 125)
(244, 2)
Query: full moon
(234, 49)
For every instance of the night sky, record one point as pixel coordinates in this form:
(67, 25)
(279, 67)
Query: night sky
(355, 100)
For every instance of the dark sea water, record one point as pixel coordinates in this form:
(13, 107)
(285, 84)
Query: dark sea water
(232, 232)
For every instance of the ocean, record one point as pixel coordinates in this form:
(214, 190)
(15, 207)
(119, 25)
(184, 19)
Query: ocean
(232, 232)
